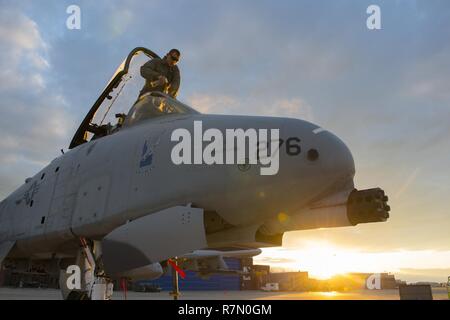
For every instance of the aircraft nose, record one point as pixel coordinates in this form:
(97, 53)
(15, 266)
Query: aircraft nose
(324, 155)
(333, 155)
(325, 159)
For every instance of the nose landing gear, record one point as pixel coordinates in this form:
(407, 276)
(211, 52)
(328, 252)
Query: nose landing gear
(89, 281)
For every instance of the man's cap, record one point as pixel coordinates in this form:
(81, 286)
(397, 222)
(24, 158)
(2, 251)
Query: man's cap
(175, 51)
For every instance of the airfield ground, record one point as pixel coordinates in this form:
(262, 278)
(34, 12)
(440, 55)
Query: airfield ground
(50, 294)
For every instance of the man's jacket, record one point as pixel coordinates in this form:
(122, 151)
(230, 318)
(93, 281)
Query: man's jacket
(154, 68)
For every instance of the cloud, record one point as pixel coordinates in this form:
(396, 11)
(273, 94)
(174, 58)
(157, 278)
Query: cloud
(22, 57)
(35, 131)
(35, 122)
(429, 79)
(271, 260)
(410, 180)
(227, 104)
(295, 107)
(428, 275)
(206, 103)
(120, 22)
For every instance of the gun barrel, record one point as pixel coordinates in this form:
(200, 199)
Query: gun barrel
(364, 206)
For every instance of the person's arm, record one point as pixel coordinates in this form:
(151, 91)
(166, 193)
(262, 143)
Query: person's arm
(148, 70)
(175, 84)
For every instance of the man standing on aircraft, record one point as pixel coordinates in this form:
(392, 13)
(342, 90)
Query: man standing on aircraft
(162, 75)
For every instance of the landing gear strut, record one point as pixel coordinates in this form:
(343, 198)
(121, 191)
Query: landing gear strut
(88, 281)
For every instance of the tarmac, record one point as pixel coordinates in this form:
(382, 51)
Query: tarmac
(52, 294)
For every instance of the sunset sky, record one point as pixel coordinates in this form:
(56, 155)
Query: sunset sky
(386, 93)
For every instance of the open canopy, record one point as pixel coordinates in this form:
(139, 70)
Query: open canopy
(119, 106)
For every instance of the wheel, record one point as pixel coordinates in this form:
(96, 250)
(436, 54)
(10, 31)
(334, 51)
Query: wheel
(78, 295)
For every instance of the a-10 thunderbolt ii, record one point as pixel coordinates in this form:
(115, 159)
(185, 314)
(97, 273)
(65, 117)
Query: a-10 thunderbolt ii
(117, 205)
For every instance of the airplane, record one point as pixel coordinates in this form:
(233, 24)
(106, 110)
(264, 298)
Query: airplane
(116, 205)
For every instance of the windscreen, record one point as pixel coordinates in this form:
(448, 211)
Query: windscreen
(155, 105)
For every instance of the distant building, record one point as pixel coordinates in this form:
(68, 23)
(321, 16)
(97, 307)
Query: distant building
(196, 282)
(255, 276)
(358, 281)
(290, 281)
(248, 277)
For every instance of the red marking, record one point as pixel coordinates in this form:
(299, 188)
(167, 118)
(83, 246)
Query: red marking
(123, 284)
(83, 242)
(177, 268)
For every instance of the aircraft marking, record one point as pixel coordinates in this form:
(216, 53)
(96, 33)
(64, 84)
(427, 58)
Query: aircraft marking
(30, 193)
(146, 156)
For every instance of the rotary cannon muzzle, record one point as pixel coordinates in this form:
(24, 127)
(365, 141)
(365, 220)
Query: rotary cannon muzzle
(369, 205)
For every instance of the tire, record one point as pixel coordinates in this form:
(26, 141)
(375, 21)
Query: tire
(78, 295)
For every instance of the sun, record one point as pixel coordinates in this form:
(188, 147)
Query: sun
(322, 260)
(322, 273)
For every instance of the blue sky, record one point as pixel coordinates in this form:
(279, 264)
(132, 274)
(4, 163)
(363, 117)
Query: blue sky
(386, 93)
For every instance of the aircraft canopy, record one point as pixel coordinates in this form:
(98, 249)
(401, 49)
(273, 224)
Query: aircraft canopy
(111, 112)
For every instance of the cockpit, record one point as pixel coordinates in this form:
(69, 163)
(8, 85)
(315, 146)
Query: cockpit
(154, 105)
(120, 106)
